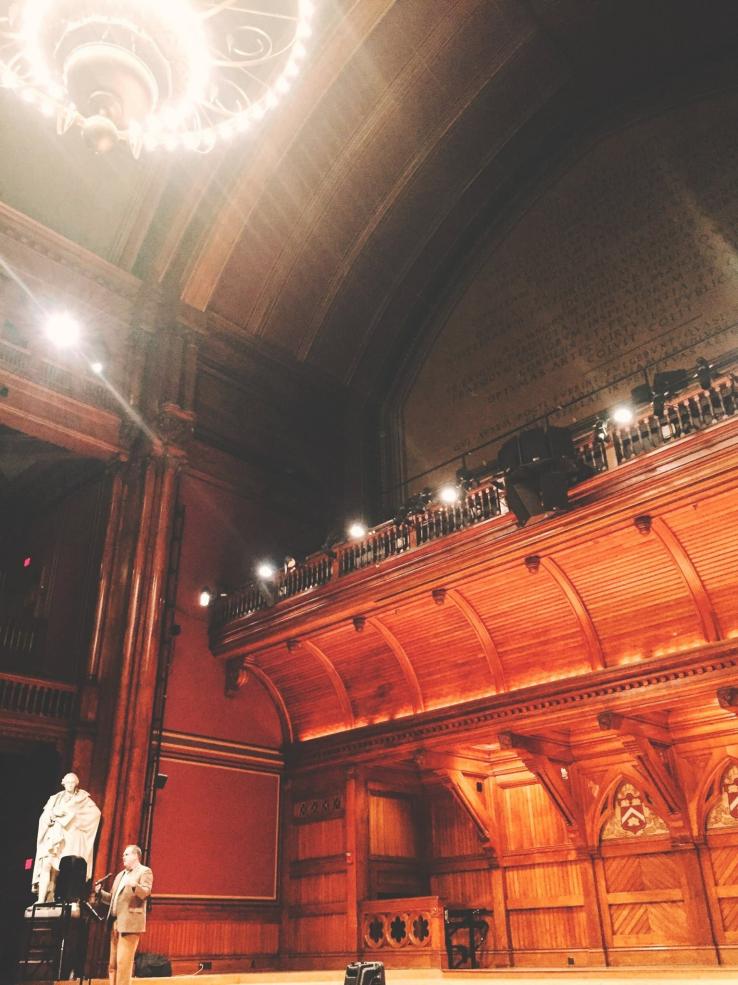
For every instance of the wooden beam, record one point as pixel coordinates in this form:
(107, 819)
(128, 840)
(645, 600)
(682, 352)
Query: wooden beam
(580, 610)
(647, 744)
(408, 671)
(489, 649)
(708, 617)
(336, 680)
(548, 762)
(467, 796)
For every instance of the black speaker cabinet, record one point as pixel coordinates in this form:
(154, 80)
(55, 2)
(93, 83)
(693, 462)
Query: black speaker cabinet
(364, 973)
(70, 883)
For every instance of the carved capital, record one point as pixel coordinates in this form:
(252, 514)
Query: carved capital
(174, 426)
(236, 675)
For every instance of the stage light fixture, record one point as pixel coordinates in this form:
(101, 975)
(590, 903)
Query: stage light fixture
(205, 597)
(265, 570)
(704, 373)
(63, 330)
(357, 530)
(622, 414)
(449, 495)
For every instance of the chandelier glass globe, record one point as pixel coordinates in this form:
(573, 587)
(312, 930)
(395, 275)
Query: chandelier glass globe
(153, 73)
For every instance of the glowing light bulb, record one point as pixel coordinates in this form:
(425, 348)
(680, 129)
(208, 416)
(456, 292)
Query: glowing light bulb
(205, 597)
(622, 415)
(97, 367)
(448, 495)
(63, 330)
(357, 530)
(265, 570)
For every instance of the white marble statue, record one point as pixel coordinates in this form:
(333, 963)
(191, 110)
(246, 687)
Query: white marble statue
(68, 826)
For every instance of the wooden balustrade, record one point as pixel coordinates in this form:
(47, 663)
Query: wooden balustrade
(31, 696)
(45, 373)
(695, 410)
(403, 932)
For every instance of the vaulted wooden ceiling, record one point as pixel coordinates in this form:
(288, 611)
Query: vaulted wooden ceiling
(416, 125)
(605, 596)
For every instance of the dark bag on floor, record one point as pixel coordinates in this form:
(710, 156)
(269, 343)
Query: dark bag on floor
(152, 966)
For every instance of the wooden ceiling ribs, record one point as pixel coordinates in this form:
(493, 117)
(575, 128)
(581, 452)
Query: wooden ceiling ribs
(609, 598)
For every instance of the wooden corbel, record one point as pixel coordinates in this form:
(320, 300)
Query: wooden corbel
(465, 793)
(548, 762)
(236, 675)
(647, 744)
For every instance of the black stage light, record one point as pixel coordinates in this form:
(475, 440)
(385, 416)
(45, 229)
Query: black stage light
(704, 373)
(364, 973)
(641, 394)
(671, 382)
(161, 780)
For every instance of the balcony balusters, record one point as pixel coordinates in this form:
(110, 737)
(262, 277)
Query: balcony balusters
(693, 411)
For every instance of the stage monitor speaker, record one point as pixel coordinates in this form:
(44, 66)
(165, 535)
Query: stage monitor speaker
(70, 883)
(536, 445)
(554, 490)
(364, 973)
(523, 497)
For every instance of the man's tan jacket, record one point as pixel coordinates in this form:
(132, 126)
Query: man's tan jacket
(130, 906)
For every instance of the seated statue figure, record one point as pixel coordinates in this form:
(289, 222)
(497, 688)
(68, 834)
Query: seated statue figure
(68, 826)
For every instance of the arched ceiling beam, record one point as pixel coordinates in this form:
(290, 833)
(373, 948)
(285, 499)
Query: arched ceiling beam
(411, 678)
(209, 262)
(489, 649)
(705, 611)
(580, 610)
(276, 695)
(336, 680)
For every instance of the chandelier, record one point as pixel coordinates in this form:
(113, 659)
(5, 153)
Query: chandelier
(153, 73)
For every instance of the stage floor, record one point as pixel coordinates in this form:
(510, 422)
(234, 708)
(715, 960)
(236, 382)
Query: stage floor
(506, 976)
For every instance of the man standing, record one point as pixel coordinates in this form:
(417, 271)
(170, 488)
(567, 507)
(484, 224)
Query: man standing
(127, 898)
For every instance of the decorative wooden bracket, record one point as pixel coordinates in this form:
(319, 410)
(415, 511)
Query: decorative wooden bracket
(236, 675)
(548, 762)
(728, 698)
(647, 744)
(465, 793)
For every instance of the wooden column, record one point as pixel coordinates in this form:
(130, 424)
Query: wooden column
(136, 680)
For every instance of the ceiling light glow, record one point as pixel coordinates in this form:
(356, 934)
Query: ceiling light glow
(171, 69)
(63, 330)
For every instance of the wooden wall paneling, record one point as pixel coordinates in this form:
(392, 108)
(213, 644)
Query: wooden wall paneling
(357, 853)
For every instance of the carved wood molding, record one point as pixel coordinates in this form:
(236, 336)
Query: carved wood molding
(336, 680)
(489, 649)
(565, 701)
(708, 617)
(237, 671)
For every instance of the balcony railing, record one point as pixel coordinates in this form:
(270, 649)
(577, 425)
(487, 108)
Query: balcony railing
(23, 363)
(30, 696)
(695, 410)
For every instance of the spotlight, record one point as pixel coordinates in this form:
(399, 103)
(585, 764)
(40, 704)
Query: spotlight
(205, 597)
(97, 368)
(265, 570)
(449, 495)
(357, 530)
(622, 414)
(63, 330)
(600, 431)
(704, 373)
(161, 780)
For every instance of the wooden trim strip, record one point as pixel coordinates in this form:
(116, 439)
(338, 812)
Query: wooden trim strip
(646, 896)
(497, 671)
(596, 657)
(706, 612)
(402, 658)
(336, 681)
(543, 903)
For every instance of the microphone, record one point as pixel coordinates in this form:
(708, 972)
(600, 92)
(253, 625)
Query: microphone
(99, 882)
